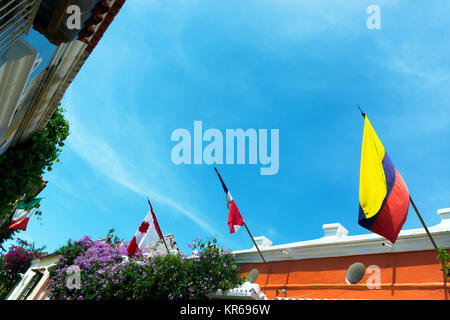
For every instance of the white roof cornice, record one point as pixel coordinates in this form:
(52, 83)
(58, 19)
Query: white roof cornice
(337, 243)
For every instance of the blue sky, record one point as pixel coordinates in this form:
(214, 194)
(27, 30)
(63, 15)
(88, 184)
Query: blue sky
(297, 66)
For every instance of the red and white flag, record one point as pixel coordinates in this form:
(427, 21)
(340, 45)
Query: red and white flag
(235, 220)
(147, 233)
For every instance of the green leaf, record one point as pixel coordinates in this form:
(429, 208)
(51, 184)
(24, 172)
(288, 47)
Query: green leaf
(22, 165)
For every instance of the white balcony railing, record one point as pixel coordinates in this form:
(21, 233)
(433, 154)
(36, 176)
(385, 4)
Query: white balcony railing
(16, 18)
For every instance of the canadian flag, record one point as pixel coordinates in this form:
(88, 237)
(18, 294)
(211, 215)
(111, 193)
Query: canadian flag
(235, 220)
(147, 233)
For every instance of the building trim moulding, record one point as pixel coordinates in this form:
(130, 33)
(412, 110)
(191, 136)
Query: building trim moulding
(65, 65)
(53, 81)
(15, 69)
(340, 244)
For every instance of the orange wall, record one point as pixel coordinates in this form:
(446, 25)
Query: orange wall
(404, 275)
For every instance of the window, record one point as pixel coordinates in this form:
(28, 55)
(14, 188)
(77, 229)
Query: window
(31, 284)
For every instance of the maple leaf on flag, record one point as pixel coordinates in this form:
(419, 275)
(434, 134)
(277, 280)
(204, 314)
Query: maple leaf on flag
(144, 227)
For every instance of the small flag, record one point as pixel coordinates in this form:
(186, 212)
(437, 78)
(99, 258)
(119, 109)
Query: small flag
(147, 233)
(235, 220)
(23, 212)
(383, 195)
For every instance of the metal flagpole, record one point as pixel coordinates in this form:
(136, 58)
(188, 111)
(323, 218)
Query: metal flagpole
(154, 217)
(245, 225)
(165, 244)
(414, 206)
(423, 223)
(362, 113)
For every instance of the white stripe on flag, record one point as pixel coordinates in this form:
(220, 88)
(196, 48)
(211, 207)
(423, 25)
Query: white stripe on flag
(20, 214)
(229, 199)
(143, 239)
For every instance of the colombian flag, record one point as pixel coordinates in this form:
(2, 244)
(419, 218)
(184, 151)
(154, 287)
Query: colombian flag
(383, 195)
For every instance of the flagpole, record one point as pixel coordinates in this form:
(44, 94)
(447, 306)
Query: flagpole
(165, 244)
(245, 225)
(423, 223)
(164, 241)
(413, 204)
(362, 112)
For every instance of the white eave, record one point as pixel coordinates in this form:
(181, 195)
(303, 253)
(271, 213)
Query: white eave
(336, 242)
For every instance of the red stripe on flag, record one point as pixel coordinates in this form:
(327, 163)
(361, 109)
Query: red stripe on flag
(19, 224)
(234, 217)
(155, 222)
(132, 247)
(393, 215)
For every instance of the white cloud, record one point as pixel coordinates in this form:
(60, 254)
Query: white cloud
(103, 158)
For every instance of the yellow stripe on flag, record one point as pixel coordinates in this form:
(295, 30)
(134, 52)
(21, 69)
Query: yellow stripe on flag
(372, 181)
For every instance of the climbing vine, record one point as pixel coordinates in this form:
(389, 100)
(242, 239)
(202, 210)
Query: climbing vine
(444, 258)
(22, 166)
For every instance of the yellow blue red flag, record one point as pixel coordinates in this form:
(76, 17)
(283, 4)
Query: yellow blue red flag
(383, 195)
